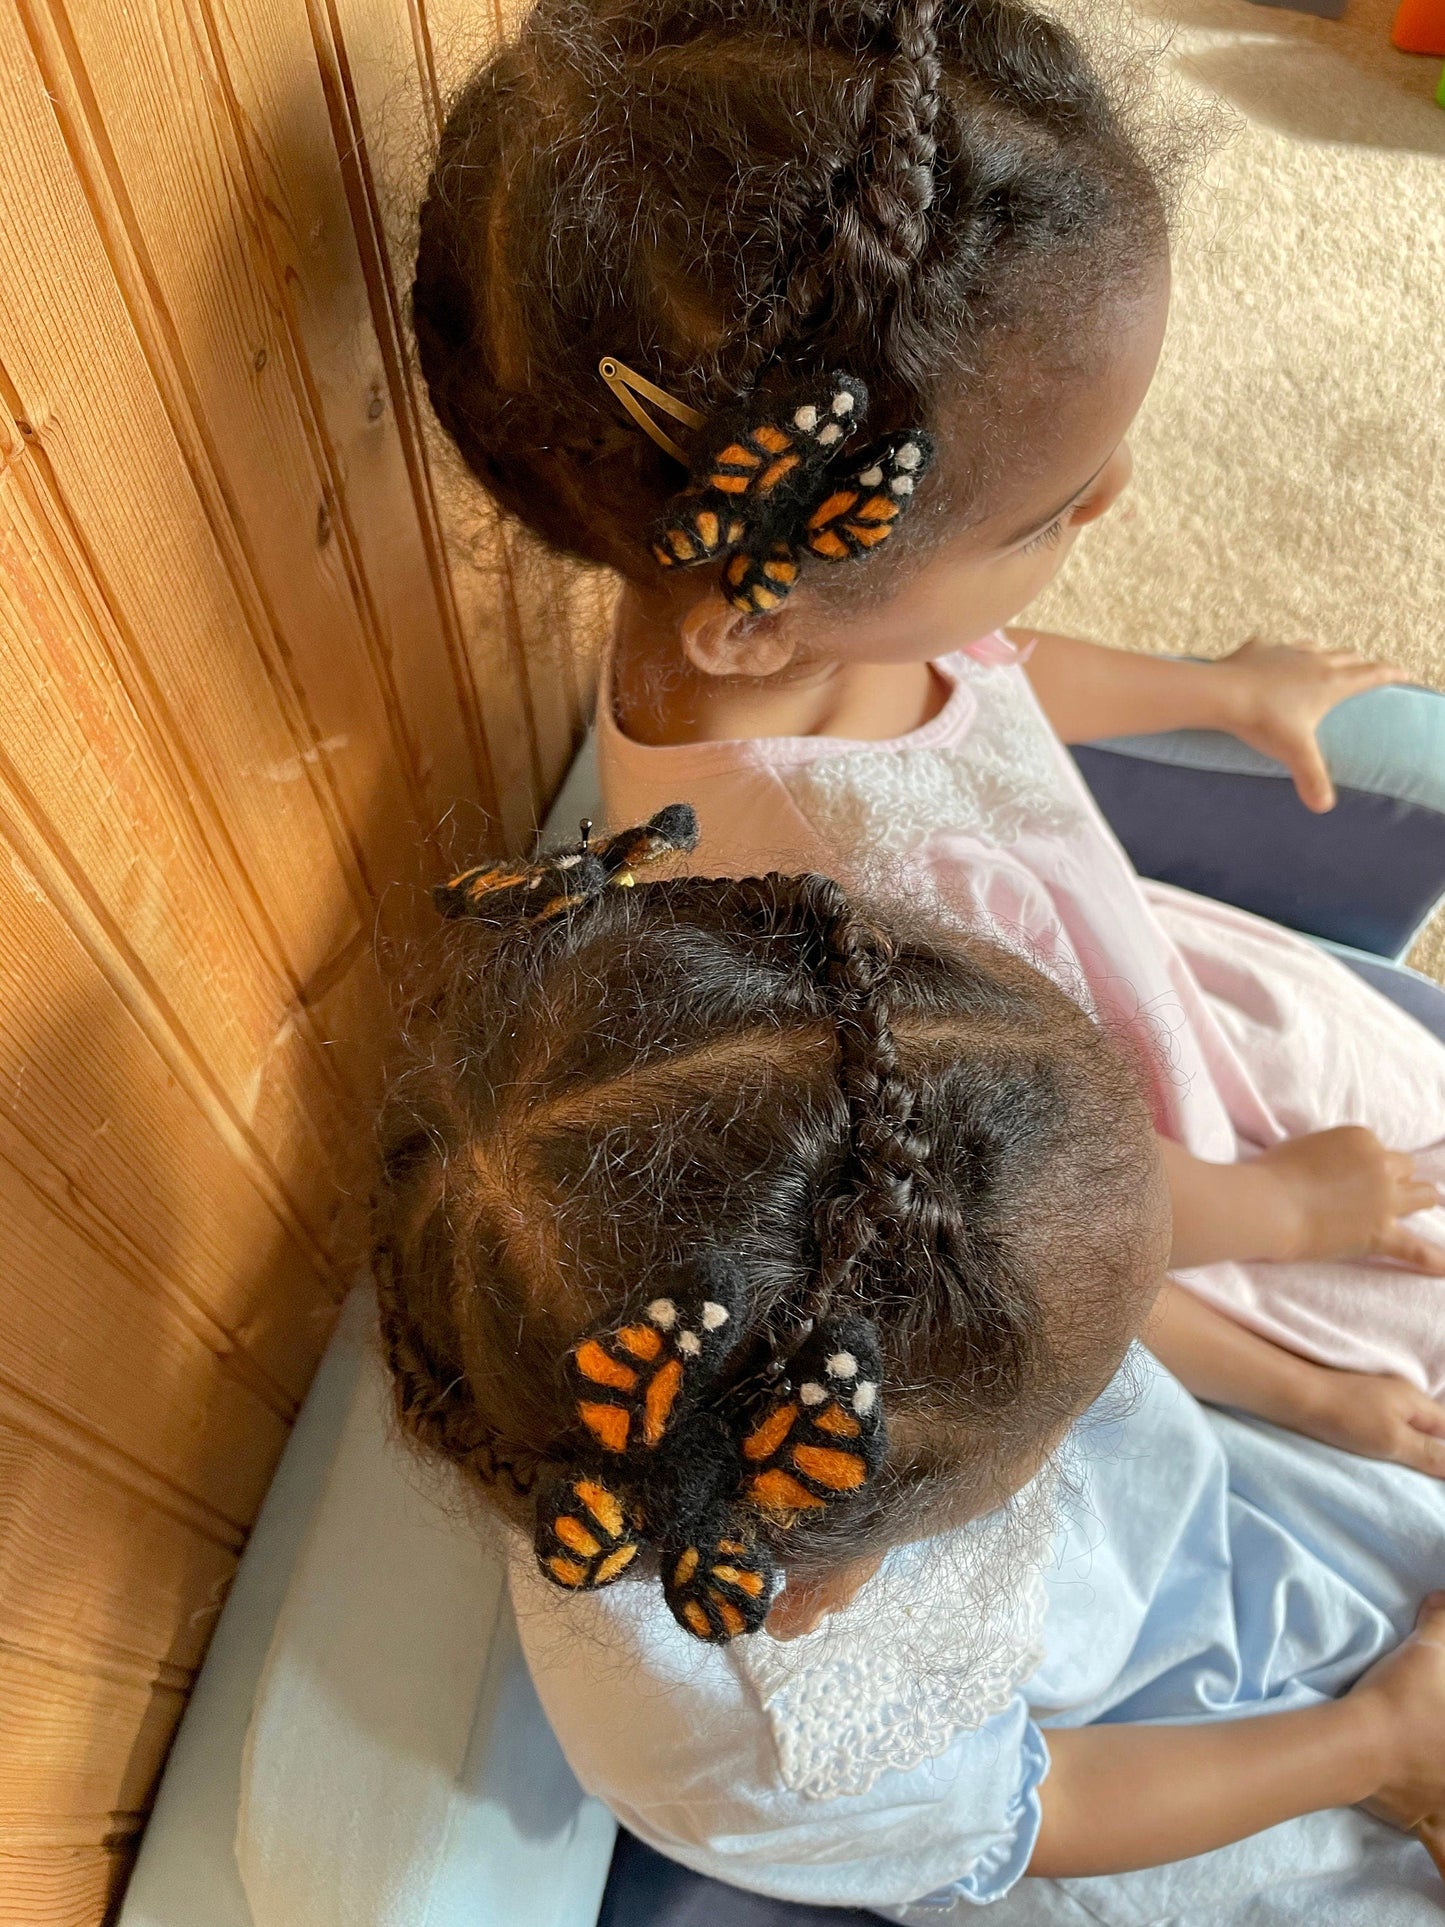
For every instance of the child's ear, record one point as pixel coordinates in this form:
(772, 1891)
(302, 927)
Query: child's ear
(719, 640)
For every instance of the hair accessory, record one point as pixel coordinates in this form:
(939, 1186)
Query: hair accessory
(657, 1461)
(768, 490)
(501, 892)
(627, 386)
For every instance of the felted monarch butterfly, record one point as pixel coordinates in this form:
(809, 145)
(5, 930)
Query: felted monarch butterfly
(823, 1439)
(863, 512)
(502, 892)
(757, 467)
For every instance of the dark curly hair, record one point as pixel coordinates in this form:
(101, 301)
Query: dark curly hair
(875, 1119)
(929, 194)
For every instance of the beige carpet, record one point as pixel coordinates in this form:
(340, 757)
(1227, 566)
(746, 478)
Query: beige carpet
(1290, 460)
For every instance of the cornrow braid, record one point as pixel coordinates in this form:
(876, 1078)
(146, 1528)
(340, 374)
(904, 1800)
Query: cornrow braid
(899, 188)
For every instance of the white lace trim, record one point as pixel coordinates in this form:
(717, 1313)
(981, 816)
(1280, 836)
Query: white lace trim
(1002, 782)
(936, 1645)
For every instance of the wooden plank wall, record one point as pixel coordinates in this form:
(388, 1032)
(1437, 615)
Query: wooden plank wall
(254, 648)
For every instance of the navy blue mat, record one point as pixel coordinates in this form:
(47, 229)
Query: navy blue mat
(644, 1890)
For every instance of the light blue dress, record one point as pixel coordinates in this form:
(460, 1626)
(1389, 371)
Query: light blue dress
(1205, 1567)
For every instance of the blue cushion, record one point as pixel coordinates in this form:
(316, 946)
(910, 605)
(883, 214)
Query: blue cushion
(1206, 812)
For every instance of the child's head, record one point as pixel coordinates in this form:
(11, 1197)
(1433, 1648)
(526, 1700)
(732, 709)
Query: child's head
(938, 197)
(852, 1116)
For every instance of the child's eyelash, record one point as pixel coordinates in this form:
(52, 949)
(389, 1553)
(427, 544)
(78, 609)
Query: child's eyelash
(1045, 537)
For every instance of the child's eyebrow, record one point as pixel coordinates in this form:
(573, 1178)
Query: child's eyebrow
(1054, 514)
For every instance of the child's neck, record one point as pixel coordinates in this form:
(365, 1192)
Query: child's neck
(861, 701)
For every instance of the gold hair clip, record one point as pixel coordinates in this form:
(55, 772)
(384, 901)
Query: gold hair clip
(627, 386)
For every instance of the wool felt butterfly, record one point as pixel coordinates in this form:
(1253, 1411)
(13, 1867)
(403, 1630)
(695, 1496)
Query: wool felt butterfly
(502, 892)
(759, 465)
(660, 1460)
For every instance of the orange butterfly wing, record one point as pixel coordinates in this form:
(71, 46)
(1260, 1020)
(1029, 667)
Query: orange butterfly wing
(586, 1536)
(720, 1583)
(630, 1383)
(863, 512)
(823, 1439)
(756, 467)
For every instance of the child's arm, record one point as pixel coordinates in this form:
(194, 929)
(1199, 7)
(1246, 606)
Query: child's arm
(1331, 1195)
(1120, 1797)
(1272, 698)
(1221, 1362)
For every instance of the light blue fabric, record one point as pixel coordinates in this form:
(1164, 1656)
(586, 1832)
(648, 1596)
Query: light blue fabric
(1214, 1567)
(1209, 1567)
(1388, 742)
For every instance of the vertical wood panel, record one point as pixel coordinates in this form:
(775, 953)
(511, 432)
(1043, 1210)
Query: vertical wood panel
(263, 651)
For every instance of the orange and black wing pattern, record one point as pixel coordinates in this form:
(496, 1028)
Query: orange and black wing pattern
(632, 1383)
(863, 512)
(503, 891)
(586, 1537)
(822, 1439)
(508, 892)
(758, 584)
(756, 469)
(720, 1583)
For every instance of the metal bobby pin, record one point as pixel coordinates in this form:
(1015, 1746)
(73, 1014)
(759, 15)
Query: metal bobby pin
(626, 385)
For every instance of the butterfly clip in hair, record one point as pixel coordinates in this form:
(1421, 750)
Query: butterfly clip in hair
(770, 489)
(662, 1462)
(502, 892)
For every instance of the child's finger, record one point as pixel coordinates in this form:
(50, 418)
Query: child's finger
(1417, 1194)
(1408, 1248)
(1425, 1453)
(1428, 1416)
(1312, 777)
(1369, 675)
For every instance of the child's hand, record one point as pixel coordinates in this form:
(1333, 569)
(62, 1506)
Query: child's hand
(1376, 1416)
(1279, 696)
(1405, 1694)
(1343, 1195)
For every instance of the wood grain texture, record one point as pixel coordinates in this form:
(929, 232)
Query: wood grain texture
(265, 656)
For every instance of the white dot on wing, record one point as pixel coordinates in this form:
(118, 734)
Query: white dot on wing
(663, 1313)
(865, 1398)
(689, 1344)
(806, 419)
(843, 1365)
(714, 1315)
(813, 1393)
(871, 477)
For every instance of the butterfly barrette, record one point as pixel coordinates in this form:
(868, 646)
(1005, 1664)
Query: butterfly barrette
(659, 1463)
(769, 490)
(502, 892)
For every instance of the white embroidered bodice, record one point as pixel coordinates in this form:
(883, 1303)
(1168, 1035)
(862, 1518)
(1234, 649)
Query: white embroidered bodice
(1004, 779)
(935, 1645)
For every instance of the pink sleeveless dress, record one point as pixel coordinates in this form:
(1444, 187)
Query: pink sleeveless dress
(1248, 1033)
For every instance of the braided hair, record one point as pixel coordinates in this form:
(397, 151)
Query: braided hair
(867, 1122)
(728, 193)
